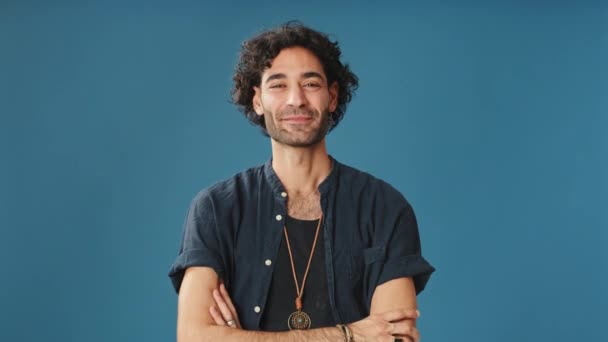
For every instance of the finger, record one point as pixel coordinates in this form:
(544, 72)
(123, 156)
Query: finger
(403, 339)
(221, 304)
(405, 329)
(228, 300)
(217, 317)
(400, 328)
(399, 314)
(415, 334)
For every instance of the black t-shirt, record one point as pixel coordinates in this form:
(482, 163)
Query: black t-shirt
(282, 295)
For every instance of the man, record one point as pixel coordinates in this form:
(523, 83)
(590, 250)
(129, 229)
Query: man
(303, 247)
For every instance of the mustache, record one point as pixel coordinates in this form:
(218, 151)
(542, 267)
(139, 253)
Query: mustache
(297, 111)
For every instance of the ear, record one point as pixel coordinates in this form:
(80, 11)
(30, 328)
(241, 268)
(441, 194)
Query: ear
(257, 101)
(333, 96)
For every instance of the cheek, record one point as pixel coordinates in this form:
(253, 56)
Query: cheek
(270, 99)
(324, 100)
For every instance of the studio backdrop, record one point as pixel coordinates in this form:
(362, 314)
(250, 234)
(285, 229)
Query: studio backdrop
(490, 118)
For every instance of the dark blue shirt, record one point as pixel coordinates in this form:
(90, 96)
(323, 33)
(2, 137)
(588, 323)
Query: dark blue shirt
(369, 232)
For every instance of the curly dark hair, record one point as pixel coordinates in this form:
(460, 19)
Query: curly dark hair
(258, 53)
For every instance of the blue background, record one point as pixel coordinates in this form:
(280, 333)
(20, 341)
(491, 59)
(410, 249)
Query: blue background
(491, 118)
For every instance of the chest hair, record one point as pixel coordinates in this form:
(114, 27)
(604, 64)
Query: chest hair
(304, 207)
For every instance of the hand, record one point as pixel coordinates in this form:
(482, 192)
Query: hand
(387, 326)
(223, 311)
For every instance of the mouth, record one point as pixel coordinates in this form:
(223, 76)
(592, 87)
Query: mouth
(296, 119)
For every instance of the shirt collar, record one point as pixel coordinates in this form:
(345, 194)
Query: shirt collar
(278, 188)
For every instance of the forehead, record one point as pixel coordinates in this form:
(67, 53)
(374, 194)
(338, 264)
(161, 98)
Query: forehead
(294, 61)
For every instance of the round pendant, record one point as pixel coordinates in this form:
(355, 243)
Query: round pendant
(298, 320)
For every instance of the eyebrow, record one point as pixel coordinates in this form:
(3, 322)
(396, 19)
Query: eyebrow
(312, 74)
(308, 74)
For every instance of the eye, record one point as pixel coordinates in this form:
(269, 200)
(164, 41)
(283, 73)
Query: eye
(277, 85)
(312, 85)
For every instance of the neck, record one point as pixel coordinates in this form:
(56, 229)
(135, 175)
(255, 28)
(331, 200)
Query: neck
(301, 169)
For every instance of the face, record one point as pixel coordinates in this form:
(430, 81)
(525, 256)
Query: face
(295, 99)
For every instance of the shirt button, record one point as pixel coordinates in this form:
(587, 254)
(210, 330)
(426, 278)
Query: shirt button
(268, 262)
(283, 194)
(257, 309)
(279, 217)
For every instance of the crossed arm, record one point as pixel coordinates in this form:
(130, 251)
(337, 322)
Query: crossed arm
(392, 314)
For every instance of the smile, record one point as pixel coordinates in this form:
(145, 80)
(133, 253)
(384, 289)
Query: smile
(297, 119)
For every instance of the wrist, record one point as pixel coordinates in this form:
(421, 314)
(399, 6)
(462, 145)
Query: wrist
(347, 333)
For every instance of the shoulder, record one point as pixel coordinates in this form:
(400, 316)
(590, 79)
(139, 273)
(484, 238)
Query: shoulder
(229, 189)
(362, 182)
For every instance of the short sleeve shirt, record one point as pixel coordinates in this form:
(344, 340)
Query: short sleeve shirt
(370, 236)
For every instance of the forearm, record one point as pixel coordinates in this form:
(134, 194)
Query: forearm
(220, 333)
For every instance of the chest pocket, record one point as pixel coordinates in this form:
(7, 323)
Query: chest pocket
(364, 259)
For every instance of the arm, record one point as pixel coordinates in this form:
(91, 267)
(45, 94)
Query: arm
(398, 293)
(196, 323)
(394, 294)
(398, 271)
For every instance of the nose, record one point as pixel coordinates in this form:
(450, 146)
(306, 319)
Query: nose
(296, 97)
